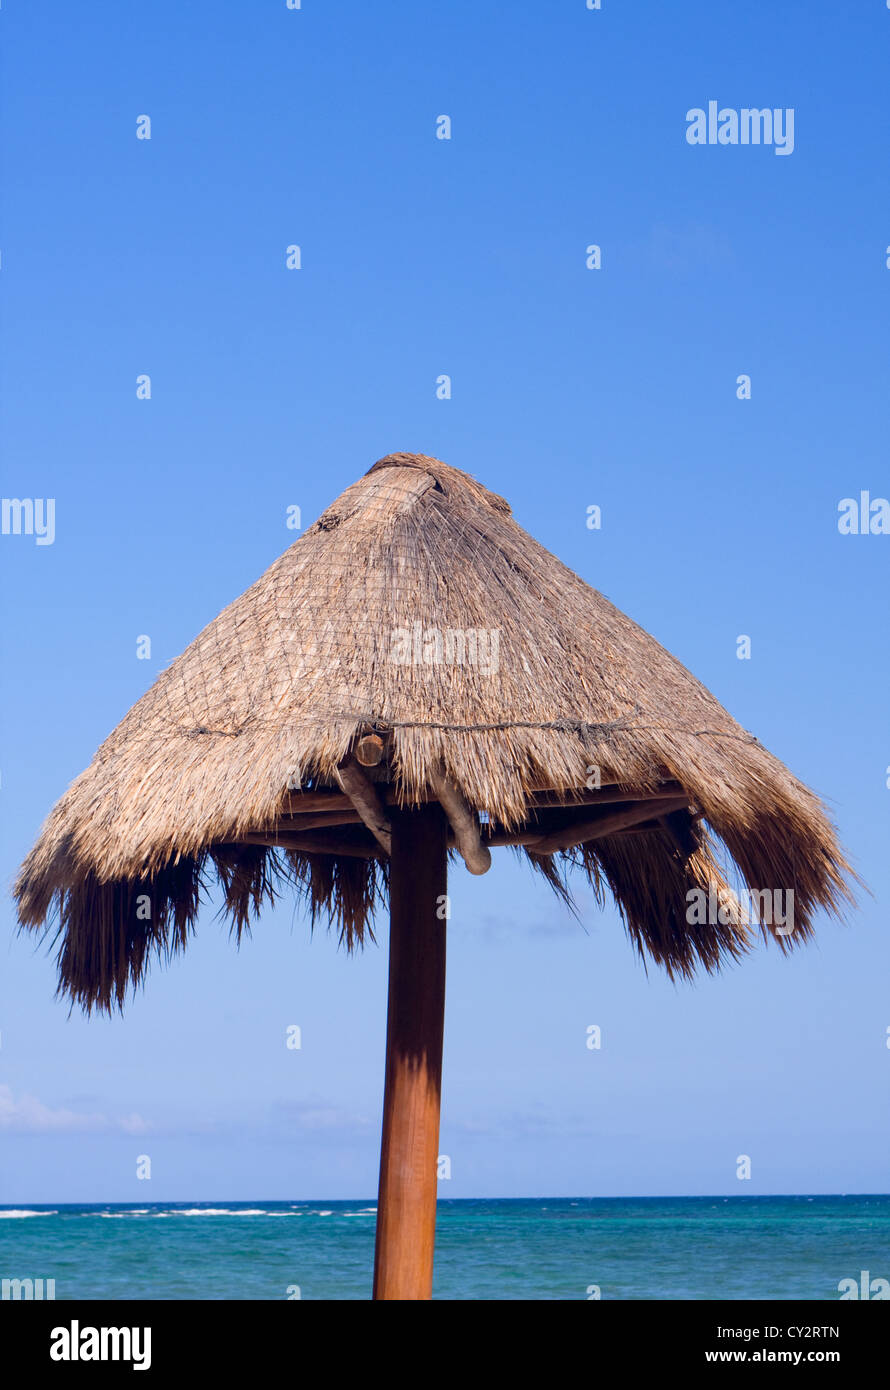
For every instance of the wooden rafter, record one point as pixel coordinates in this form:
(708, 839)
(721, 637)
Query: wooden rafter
(581, 831)
(363, 794)
(645, 813)
(329, 801)
(464, 825)
(313, 844)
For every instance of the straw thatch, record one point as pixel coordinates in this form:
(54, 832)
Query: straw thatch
(338, 639)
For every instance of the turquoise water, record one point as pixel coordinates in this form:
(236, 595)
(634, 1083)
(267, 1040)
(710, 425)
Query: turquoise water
(655, 1248)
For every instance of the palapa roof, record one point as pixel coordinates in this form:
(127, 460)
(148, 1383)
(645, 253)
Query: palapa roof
(416, 607)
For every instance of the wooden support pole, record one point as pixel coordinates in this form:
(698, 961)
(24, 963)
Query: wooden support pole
(406, 1204)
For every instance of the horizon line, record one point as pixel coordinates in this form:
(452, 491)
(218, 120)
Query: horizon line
(612, 1197)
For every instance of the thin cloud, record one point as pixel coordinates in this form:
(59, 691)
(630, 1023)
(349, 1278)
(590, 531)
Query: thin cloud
(320, 1116)
(28, 1115)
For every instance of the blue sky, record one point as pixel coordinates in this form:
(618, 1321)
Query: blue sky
(571, 387)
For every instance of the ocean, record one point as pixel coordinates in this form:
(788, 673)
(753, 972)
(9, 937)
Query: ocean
(542, 1248)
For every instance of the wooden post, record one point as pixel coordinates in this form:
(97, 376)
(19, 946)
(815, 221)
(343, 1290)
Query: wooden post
(406, 1204)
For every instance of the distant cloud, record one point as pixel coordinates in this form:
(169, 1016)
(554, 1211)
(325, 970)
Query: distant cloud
(501, 930)
(524, 1125)
(133, 1124)
(28, 1115)
(319, 1115)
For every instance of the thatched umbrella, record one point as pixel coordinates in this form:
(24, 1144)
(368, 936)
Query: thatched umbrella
(414, 676)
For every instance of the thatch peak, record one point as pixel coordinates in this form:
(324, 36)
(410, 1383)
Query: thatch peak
(445, 476)
(415, 609)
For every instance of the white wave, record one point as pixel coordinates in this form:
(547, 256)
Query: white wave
(14, 1213)
(217, 1211)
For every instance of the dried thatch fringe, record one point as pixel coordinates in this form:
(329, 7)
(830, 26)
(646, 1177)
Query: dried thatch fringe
(277, 690)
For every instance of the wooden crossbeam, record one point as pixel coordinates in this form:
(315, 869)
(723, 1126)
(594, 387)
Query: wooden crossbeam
(324, 801)
(602, 796)
(308, 844)
(321, 820)
(582, 831)
(295, 831)
(643, 816)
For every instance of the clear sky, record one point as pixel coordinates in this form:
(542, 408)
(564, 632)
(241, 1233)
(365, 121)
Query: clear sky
(571, 387)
